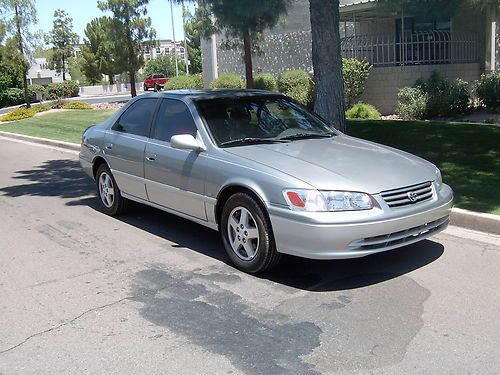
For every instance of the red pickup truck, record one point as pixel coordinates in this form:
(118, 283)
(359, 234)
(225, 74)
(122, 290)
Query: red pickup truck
(155, 81)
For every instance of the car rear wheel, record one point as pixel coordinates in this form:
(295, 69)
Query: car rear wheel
(109, 195)
(247, 234)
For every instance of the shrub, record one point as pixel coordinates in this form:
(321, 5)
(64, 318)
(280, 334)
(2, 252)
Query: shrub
(488, 90)
(23, 112)
(66, 89)
(412, 103)
(355, 74)
(76, 104)
(364, 111)
(265, 81)
(445, 98)
(11, 96)
(297, 85)
(228, 81)
(185, 82)
(33, 89)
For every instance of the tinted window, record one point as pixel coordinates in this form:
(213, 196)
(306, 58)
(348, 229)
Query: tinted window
(137, 118)
(173, 118)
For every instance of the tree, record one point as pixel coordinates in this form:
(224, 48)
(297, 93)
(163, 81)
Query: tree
(24, 15)
(132, 32)
(11, 73)
(327, 62)
(164, 64)
(193, 28)
(90, 66)
(243, 20)
(62, 39)
(100, 50)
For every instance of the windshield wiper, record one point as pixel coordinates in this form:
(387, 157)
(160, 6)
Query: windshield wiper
(248, 141)
(307, 136)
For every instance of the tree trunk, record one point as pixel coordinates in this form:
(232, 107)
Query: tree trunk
(132, 84)
(111, 79)
(327, 62)
(21, 51)
(63, 68)
(247, 48)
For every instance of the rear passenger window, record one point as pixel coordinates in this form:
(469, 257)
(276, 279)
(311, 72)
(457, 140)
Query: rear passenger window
(137, 118)
(173, 118)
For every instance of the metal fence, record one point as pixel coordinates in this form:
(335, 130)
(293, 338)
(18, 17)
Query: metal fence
(417, 48)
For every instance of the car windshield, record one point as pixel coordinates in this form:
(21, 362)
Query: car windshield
(260, 118)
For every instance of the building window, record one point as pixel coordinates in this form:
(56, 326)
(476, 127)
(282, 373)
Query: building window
(158, 50)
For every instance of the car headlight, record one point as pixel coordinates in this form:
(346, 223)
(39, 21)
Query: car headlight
(438, 179)
(323, 201)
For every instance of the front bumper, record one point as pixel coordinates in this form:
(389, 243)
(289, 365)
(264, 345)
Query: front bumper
(337, 235)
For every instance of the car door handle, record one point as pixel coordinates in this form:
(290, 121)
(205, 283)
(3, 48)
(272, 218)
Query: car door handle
(109, 146)
(151, 157)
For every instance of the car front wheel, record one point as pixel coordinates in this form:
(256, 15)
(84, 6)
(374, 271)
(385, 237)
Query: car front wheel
(109, 195)
(247, 234)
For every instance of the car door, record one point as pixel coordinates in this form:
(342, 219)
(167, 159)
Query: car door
(174, 178)
(125, 143)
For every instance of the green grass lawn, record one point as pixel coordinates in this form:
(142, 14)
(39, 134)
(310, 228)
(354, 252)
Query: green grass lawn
(467, 154)
(65, 126)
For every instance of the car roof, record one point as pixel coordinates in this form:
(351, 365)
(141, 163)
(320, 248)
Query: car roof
(217, 93)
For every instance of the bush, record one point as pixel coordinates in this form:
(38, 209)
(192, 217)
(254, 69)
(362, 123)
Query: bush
(265, 81)
(11, 96)
(445, 98)
(412, 103)
(363, 111)
(488, 90)
(297, 85)
(33, 89)
(228, 81)
(23, 112)
(75, 104)
(185, 82)
(66, 89)
(355, 74)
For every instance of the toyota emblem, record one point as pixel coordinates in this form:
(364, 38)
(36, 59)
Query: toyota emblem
(412, 196)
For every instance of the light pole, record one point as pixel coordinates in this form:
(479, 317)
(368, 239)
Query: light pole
(185, 38)
(173, 35)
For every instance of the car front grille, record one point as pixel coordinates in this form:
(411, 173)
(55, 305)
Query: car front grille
(408, 195)
(401, 238)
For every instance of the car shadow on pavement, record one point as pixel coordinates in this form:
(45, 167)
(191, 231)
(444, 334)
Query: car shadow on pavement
(65, 179)
(295, 272)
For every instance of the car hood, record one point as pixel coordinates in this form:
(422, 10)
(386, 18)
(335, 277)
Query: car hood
(341, 163)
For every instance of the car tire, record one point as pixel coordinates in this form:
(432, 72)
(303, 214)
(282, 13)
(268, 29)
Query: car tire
(157, 88)
(146, 88)
(247, 234)
(108, 193)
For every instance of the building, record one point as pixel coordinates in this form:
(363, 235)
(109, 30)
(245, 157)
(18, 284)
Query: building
(40, 74)
(165, 46)
(400, 47)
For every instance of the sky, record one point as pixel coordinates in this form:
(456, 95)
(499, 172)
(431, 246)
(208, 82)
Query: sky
(83, 11)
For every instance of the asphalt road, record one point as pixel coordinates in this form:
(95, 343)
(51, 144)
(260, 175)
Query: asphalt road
(149, 293)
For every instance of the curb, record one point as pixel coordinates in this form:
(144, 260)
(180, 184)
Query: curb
(488, 223)
(43, 141)
(459, 217)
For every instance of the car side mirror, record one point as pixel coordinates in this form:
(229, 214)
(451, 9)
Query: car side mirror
(186, 142)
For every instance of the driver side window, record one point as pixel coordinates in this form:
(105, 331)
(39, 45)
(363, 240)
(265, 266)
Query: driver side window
(137, 118)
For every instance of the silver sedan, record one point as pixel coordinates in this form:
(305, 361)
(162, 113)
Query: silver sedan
(270, 175)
